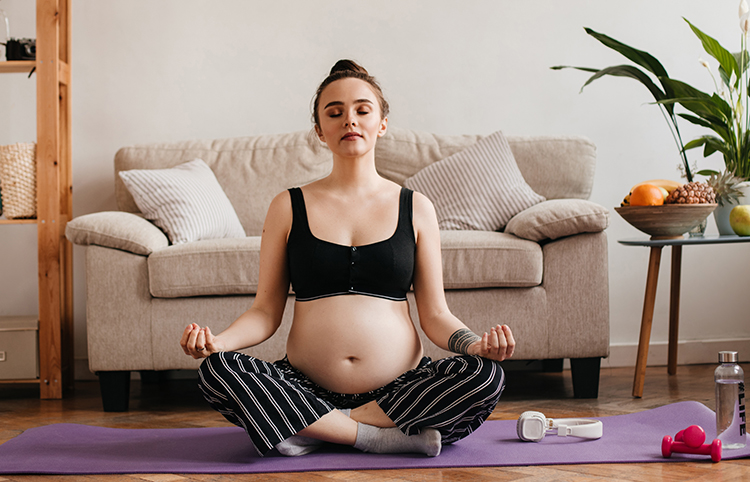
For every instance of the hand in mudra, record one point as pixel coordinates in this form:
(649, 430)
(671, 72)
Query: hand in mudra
(200, 342)
(498, 344)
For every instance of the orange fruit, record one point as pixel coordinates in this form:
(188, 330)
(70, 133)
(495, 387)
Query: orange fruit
(646, 195)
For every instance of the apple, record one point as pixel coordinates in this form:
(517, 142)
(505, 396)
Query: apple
(739, 219)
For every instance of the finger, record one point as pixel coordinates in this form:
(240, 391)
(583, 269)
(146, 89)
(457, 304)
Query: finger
(485, 343)
(210, 338)
(499, 341)
(200, 342)
(511, 341)
(490, 342)
(184, 338)
(188, 339)
(192, 342)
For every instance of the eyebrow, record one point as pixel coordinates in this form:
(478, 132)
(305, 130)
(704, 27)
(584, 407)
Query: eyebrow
(338, 102)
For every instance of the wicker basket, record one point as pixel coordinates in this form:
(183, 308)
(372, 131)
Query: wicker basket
(18, 180)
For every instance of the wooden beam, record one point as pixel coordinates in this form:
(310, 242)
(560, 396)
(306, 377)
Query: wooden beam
(48, 199)
(20, 66)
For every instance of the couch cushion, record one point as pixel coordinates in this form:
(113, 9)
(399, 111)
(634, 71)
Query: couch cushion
(487, 259)
(118, 230)
(558, 218)
(226, 266)
(185, 201)
(479, 188)
(471, 259)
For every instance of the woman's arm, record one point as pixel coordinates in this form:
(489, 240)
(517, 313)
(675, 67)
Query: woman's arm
(435, 318)
(264, 316)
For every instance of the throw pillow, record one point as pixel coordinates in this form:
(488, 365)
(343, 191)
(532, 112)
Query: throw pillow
(557, 218)
(186, 201)
(478, 188)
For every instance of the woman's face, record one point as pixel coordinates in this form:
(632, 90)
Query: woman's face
(350, 119)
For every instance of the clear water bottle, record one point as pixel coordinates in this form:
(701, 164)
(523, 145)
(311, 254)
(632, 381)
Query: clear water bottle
(730, 401)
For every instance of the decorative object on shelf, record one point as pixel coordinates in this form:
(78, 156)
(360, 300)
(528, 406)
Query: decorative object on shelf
(724, 112)
(668, 221)
(18, 180)
(20, 49)
(17, 48)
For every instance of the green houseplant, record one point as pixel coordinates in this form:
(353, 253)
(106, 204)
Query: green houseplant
(725, 112)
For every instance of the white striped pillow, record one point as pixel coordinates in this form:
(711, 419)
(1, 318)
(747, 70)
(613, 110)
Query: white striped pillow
(479, 188)
(185, 201)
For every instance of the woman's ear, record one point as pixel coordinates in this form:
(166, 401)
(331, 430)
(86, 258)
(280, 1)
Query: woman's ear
(383, 127)
(319, 133)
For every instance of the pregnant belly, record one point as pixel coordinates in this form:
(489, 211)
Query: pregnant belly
(353, 344)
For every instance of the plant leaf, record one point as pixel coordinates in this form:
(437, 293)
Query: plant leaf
(743, 61)
(640, 57)
(711, 123)
(585, 69)
(727, 61)
(710, 107)
(707, 172)
(695, 143)
(631, 72)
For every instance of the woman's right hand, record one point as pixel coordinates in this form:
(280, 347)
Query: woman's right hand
(200, 342)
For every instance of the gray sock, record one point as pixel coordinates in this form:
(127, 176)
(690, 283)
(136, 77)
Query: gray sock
(300, 445)
(393, 440)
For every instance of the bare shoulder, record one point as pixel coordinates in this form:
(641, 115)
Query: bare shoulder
(279, 216)
(424, 210)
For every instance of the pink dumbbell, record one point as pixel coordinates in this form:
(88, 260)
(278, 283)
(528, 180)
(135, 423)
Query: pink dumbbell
(690, 441)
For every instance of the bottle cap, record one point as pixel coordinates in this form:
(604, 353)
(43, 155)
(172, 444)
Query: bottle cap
(728, 357)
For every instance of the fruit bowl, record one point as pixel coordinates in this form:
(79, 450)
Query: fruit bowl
(668, 221)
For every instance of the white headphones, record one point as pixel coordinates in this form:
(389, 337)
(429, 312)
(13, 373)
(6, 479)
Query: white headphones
(532, 427)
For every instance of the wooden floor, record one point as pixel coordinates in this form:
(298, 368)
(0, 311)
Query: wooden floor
(176, 403)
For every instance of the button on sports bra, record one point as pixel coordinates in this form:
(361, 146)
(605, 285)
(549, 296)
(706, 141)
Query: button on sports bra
(319, 269)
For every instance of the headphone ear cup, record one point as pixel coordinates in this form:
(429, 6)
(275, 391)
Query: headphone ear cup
(531, 426)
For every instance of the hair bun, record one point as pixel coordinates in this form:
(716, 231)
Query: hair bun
(350, 65)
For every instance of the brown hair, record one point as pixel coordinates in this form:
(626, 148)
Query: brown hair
(349, 69)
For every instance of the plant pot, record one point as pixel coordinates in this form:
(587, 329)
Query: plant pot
(721, 213)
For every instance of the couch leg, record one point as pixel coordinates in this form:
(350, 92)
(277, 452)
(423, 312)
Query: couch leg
(585, 373)
(115, 388)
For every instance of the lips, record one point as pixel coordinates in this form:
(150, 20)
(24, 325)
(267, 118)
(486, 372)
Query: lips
(351, 136)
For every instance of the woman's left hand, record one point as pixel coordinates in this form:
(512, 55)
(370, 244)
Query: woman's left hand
(498, 344)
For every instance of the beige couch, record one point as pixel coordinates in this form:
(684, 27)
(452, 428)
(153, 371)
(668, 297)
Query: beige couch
(547, 280)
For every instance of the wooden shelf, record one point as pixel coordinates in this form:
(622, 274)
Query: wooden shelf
(17, 66)
(17, 221)
(54, 195)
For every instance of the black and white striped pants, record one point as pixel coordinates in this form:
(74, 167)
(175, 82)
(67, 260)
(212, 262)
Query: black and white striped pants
(273, 401)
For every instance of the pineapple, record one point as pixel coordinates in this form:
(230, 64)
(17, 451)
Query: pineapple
(692, 193)
(724, 185)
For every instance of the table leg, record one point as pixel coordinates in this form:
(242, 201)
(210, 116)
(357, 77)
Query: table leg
(674, 308)
(646, 320)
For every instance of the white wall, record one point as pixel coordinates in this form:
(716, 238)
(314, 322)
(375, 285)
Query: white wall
(147, 71)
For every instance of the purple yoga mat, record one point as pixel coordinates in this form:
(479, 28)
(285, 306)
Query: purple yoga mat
(82, 449)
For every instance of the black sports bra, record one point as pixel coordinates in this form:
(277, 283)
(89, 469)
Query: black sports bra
(319, 269)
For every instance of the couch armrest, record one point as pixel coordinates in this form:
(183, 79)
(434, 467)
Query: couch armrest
(116, 229)
(557, 218)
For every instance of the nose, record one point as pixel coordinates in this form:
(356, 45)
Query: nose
(350, 120)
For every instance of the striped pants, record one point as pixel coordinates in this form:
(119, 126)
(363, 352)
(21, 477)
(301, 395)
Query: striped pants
(273, 401)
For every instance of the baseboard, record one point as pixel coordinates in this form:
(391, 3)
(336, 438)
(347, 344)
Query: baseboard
(688, 352)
